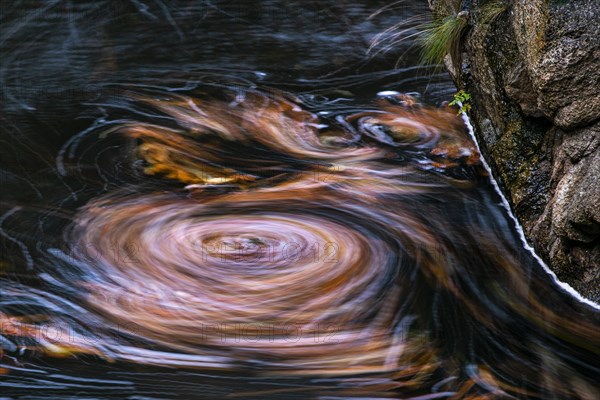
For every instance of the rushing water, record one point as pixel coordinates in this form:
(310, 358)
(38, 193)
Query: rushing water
(259, 200)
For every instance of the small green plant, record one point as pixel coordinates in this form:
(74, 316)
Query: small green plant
(442, 37)
(461, 98)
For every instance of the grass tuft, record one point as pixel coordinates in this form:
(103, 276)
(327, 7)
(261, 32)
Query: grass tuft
(442, 37)
(491, 10)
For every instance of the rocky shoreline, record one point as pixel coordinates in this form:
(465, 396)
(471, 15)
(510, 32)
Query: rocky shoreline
(533, 69)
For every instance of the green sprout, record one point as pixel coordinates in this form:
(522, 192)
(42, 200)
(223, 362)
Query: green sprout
(461, 98)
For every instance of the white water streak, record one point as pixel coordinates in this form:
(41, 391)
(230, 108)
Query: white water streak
(565, 286)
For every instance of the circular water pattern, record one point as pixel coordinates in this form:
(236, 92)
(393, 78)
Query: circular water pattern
(359, 244)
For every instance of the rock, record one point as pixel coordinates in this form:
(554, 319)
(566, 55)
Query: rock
(519, 88)
(576, 201)
(565, 72)
(533, 72)
(579, 112)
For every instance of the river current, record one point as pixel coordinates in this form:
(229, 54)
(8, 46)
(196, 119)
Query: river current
(259, 200)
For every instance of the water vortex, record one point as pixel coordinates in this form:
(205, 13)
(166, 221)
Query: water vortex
(260, 235)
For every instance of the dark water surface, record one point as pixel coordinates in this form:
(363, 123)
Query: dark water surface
(265, 200)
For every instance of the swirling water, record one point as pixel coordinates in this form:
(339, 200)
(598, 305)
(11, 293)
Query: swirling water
(218, 199)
